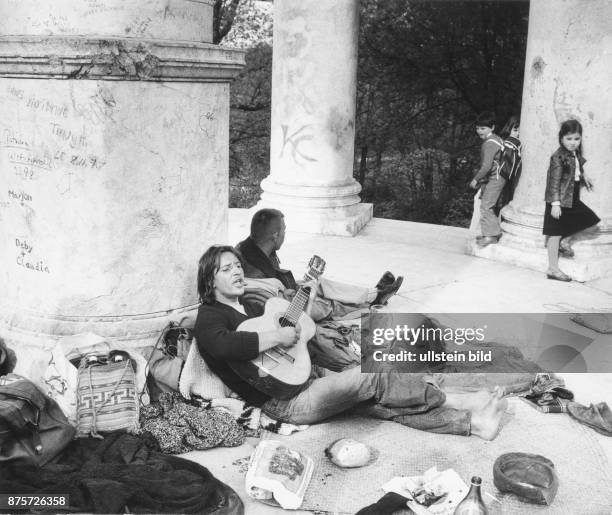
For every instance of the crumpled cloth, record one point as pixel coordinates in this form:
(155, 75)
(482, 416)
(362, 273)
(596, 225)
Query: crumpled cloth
(122, 474)
(596, 416)
(179, 427)
(548, 394)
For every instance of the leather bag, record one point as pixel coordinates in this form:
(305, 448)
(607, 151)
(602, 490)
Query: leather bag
(33, 428)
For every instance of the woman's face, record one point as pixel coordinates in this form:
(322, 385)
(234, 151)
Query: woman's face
(229, 280)
(514, 132)
(571, 141)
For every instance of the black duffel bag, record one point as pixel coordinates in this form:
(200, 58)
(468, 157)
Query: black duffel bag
(33, 427)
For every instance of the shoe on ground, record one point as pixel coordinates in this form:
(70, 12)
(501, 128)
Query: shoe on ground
(558, 276)
(385, 281)
(386, 293)
(487, 240)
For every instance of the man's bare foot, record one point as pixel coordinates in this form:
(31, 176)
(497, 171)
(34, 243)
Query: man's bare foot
(487, 418)
(471, 400)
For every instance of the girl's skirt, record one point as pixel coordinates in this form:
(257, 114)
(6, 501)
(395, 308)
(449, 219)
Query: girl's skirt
(572, 220)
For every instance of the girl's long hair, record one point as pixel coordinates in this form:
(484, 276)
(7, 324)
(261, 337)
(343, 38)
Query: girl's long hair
(571, 127)
(513, 122)
(208, 266)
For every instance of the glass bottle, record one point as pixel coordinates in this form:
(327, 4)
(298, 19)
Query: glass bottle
(472, 504)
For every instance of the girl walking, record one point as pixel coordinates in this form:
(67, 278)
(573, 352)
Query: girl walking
(565, 214)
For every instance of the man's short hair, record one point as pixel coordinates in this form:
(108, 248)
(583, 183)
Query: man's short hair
(264, 223)
(486, 119)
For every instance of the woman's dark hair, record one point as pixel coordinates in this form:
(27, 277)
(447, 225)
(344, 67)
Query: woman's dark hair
(571, 127)
(208, 266)
(512, 123)
(486, 119)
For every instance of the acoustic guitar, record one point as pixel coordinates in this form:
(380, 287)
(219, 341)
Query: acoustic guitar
(280, 372)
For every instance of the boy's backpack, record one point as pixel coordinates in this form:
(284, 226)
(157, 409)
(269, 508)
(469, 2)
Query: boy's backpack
(510, 160)
(33, 428)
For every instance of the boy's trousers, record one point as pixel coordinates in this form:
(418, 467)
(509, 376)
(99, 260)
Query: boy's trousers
(489, 221)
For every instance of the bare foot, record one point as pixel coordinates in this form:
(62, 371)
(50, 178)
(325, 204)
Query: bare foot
(486, 419)
(471, 400)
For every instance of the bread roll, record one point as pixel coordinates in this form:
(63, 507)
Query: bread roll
(348, 453)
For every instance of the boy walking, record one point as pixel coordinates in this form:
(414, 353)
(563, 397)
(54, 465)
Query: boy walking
(488, 176)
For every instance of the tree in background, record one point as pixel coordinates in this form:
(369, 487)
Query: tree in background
(224, 14)
(425, 70)
(250, 102)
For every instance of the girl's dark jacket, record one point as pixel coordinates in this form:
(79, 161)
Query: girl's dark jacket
(561, 176)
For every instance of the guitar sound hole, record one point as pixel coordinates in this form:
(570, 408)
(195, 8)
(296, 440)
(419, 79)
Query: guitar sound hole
(284, 322)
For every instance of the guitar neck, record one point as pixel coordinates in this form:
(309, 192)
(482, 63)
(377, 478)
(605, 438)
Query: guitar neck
(298, 305)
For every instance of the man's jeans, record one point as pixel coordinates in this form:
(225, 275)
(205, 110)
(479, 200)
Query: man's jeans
(404, 398)
(340, 301)
(343, 292)
(489, 220)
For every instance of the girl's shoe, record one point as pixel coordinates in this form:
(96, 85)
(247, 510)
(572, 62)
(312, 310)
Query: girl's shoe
(480, 238)
(558, 276)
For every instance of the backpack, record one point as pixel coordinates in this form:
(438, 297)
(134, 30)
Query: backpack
(33, 428)
(510, 160)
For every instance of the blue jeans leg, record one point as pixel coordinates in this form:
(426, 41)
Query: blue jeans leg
(390, 395)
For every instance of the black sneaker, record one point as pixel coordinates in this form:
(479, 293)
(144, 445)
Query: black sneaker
(386, 293)
(385, 281)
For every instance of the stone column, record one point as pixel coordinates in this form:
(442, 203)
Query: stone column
(314, 74)
(568, 74)
(113, 164)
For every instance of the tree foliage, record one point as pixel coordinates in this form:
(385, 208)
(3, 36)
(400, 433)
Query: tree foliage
(425, 70)
(224, 14)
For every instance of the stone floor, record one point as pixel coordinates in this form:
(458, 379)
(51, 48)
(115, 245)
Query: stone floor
(439, 278)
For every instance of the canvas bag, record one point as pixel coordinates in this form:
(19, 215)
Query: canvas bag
(334, 347)
(107, 398)
(33, 428)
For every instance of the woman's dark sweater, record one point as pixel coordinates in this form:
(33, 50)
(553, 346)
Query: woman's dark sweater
(219, 342)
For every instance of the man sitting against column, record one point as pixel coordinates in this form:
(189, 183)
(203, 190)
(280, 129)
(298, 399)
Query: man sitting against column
(410, 399)
(334, 299)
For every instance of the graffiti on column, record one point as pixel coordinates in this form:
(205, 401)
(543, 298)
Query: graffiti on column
(56, 145)
(294, 140)
(99, 108)
(26, 259)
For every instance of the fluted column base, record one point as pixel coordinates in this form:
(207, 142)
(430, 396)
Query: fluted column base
(523, 244)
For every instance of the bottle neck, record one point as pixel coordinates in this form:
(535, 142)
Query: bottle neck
(474, 490)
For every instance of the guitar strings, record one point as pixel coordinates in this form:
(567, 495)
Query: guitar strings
(295, 308)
